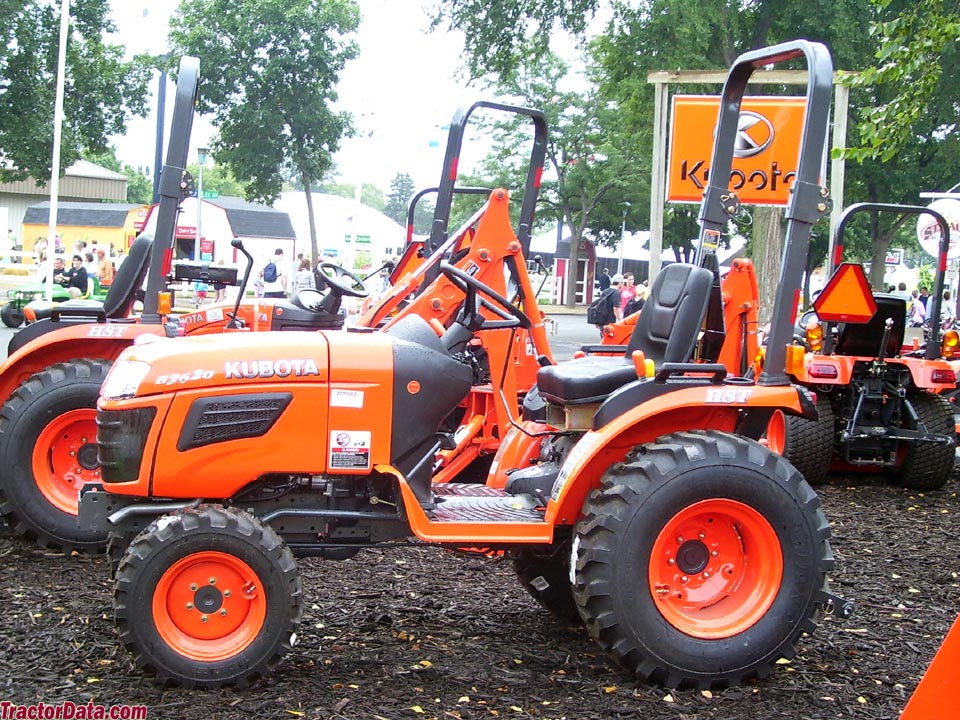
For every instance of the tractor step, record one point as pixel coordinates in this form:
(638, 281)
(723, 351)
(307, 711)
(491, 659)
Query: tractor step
(460, 502)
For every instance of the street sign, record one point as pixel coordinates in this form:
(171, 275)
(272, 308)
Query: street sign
(211, 194)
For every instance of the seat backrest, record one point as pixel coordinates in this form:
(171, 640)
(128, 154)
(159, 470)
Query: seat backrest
(863, 340)
(669, 324)
(129, 278)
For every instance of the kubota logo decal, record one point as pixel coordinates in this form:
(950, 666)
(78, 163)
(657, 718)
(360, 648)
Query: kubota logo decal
(253, 369)
(754, 134)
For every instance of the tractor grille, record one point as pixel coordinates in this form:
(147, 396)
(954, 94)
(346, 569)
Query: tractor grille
(218, 419)
(121, 436)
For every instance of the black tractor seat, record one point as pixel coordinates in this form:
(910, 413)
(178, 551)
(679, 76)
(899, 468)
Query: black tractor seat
(666, 331)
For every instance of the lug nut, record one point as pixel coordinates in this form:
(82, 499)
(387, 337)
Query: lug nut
(680, 540)
(193, 586)
(714, 553)
(670, 561)
(683, 578)
(212, 580)
(189, 606)
(223, 612)
(227, 593)
(702, 536)
(203, 618)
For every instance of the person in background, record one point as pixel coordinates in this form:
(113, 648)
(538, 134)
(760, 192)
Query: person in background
(275, 281)
(105, 269)
(925, 298)
(74, 279)
(91, 265)
(304, 279)
(917, 312)
(948, 309)
(220, 288)
(612, 297)
(627, 292)
(604, 280)
(40, 248)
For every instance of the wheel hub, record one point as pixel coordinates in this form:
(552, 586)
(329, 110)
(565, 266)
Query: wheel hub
(208, 599)
(692, 557)
(87, 457)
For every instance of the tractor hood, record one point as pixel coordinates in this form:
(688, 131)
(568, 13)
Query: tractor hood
(241, 359)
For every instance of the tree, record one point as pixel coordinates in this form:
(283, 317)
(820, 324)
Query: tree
(273, 69)
(402, 189)
(502, 35)
(916, 62)
(370, 194)
(101, 89)
(592, 160)
(139, 186)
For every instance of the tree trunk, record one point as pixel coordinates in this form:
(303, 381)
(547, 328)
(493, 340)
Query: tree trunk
(572, 262)
(314, 248)
(768, 253)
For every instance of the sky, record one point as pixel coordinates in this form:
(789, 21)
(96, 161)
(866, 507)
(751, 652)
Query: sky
(401, 89)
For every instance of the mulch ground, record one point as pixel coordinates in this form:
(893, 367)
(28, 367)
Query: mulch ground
(423, 633)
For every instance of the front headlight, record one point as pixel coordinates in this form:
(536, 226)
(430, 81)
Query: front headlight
(124, 379)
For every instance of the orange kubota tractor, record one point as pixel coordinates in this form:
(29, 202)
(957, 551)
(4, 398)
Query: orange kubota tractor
(51, 378)
(631, 493)
(880, 401)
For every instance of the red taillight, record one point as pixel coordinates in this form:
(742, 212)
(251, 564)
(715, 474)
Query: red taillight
(946, 377)
(822, 370)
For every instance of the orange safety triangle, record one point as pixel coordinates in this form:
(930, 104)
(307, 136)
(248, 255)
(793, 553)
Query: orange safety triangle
(846, 297)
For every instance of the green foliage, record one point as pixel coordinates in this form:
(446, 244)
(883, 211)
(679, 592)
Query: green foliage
(500, 36)
(593, 164)
(218, 177)
(402, 189)
(268, 74)
(101, 89)
(370, 195)
(139, 186)
(912, 75)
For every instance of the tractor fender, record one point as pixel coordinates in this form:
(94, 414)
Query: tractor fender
(82, 340)
(699, 407)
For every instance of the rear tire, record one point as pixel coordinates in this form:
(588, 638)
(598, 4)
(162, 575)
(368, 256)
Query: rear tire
(48, 452)
(807, 444)
(928, 466)
(701, 560)
(11, 315)
(545, 574)
(208, 597)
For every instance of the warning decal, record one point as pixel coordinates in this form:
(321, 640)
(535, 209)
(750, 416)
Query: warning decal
(349, 450)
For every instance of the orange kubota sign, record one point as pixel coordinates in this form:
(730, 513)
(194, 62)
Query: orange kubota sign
(765, 155)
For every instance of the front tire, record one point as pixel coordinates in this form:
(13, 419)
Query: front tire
(11, 315)
(48, 451)
(208, 597)
(700, 560)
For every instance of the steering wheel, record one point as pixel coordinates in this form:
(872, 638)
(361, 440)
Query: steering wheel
(354, 288)
(472, 287)
(309, 299)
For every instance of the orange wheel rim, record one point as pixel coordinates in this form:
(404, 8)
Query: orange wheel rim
(776, 438)
(715, 569)
(65, 458)
(209, 606)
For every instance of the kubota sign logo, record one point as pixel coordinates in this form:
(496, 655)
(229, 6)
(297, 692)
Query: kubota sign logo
(754, 135)
(765, 149)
